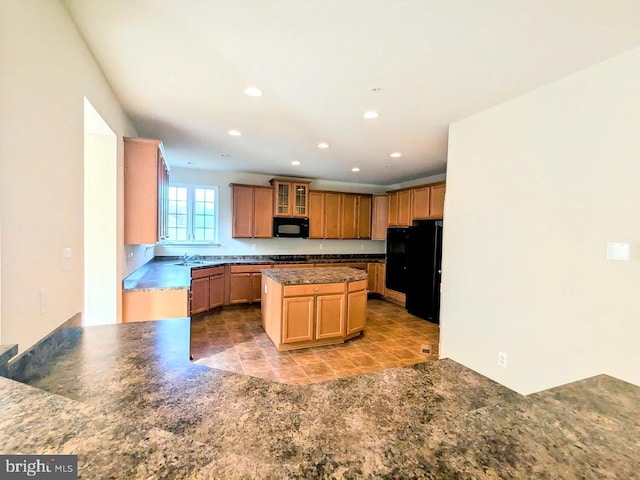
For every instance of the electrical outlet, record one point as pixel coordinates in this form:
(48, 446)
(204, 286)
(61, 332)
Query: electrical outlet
(320, 246)
(44, 300)
(253, 246)
(66, 258)
(502, 359)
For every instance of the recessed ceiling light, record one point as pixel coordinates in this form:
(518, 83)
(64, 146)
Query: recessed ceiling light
(371, 115)
(295, 162)
(355, 169)
(395, 155)
(234, 133)
(323, 145)
(253, 92)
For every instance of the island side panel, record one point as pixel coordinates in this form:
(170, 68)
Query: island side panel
(273, 312)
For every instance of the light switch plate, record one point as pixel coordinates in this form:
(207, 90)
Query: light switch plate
(618, 251)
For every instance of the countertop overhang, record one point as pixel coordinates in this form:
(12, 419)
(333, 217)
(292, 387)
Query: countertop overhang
(305, 276)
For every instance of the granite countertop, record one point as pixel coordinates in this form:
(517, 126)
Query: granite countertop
(164, 273)
(304, 276)
(128, 402)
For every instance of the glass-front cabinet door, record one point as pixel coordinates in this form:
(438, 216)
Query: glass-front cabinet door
(291, 198)
(301, 196)
(282, 198)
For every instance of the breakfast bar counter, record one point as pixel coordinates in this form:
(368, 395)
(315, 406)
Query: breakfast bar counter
(309, 307)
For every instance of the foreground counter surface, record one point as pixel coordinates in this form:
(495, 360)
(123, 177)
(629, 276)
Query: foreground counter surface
(127, 401)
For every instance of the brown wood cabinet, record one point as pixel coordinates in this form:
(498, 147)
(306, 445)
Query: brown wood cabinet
(404, 208)
(356, 307)
(427, 201)
(416, 203)
(313, 312)
(252, 211)
(420, 202)
(338, 215)
(291, 197)
(316, 215)
(144, 305)
(392, 210)
(393, 296)
(207, 289)
(332, 215)
(380, 221)
(375, 278)
(436, 200)
(364, 216)
(349, 218)
(146, 184)
(244, 283)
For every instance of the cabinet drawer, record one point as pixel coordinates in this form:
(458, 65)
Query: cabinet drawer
(206, 272)
(248, 268)
(314, 289)
(397, 296)
(357, 285)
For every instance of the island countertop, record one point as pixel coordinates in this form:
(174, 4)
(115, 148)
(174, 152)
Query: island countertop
(303, 276)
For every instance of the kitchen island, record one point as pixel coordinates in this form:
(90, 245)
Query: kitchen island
(309, 307)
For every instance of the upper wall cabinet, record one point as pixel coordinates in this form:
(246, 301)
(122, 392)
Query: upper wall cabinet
(380, 217)
(336, 215)
(417, 203)
(252, 211)
(146, 184)
(290, 198)
(436, 200)
(427, 201)
(399, 212)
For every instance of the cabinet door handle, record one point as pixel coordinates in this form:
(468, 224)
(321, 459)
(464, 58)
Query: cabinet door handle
(248, 274)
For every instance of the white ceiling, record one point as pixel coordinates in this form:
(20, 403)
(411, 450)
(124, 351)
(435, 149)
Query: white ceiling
(179, 68)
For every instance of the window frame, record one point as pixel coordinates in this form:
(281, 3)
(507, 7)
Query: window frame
(191, 194)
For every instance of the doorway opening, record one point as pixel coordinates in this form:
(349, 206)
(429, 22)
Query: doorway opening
(100, 219)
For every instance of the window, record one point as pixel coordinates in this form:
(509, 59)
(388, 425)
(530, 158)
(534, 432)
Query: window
(193, 214)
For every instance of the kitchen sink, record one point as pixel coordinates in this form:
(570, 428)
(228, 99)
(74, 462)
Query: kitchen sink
(190, 264)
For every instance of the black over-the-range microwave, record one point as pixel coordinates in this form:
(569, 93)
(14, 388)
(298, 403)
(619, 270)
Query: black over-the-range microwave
(294, 227)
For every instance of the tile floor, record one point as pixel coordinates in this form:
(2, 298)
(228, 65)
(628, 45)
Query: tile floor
(232, 339)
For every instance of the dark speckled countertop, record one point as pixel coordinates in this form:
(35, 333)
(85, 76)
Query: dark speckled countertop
(128, 402)
(304, 276)
(165, 273)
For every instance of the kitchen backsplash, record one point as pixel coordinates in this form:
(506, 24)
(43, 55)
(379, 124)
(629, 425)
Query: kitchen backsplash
(275, 246)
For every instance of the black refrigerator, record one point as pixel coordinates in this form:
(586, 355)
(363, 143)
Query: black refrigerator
(414, 266)
(424, 269)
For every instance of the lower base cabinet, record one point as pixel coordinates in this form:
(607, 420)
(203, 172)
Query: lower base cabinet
(313, 317)
(207, 289)
(375, 278)
(244, 283)
(357, 311)
(143, 305)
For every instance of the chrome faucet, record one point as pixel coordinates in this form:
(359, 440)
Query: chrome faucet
(186, 258)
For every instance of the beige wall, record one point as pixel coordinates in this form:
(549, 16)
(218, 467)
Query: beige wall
(536, 187)
(46, 73)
